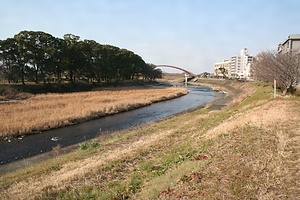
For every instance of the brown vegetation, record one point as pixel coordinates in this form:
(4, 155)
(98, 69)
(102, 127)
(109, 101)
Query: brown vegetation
(247, 151)
(47, 111)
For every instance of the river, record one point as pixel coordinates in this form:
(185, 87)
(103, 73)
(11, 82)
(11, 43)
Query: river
(29, 146)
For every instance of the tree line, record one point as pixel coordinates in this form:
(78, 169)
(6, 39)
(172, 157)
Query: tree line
(36, 56)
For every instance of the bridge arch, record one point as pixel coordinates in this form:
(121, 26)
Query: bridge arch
(179, 68)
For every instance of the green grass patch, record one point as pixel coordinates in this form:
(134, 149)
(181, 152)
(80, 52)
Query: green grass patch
(263, 92)
(235, 165)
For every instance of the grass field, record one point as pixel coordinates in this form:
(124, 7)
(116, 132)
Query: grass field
(46, 111)
(250, 150)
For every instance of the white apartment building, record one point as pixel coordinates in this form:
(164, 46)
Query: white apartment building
(240, 66)
(222, 69)
(290, 45)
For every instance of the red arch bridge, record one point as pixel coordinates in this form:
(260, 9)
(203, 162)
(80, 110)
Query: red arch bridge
(189, 74)
(179, 68)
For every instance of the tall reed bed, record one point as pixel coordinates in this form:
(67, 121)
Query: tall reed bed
(48, 111)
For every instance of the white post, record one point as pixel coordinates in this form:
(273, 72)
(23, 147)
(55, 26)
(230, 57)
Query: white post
(274, 88)
(186, 76)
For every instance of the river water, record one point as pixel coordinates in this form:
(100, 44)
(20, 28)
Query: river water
(19, 149)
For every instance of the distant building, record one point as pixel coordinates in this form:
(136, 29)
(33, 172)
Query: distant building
(222, 69)
(290, 45)
(238, 67)
(241, 65)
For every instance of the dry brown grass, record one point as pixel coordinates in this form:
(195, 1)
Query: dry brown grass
(247, 153)
(47, 111)
(263, 117)
(252, 155)
(76, 171)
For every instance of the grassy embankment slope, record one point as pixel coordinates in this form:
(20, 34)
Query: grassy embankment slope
(248, 150)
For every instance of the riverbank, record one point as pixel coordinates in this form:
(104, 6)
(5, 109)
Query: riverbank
(235, 92)
(46, 111)
(246, 150)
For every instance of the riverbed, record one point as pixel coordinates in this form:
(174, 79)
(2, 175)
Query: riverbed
(20, 149)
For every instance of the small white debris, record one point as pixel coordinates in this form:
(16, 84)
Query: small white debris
(55, 139)
(21, 137)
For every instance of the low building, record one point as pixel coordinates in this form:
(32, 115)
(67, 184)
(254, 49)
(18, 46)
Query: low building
(222, 69)
(290, 45)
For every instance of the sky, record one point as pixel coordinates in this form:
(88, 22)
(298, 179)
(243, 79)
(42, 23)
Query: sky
(191, 34)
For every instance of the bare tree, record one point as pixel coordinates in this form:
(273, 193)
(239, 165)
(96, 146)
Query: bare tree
(223, 71)
(284, 68)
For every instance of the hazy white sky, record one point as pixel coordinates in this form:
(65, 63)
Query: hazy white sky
(192, 34)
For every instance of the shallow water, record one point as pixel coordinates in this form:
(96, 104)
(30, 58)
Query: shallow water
(31, 145)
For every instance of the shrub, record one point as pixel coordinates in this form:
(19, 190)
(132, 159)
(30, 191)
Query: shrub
(83, 146)
(94, 144)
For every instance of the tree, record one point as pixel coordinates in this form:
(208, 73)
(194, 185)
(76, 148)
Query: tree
(284, 68)
(9, 69)
(129, 64)
(137, 66)
(150, 72)
(223, 71)
(14, 63)
(98, 62)
(73, 55)
(110, 60)
(57, 61)
(88, 49)
(36, 50)
(205, 75)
